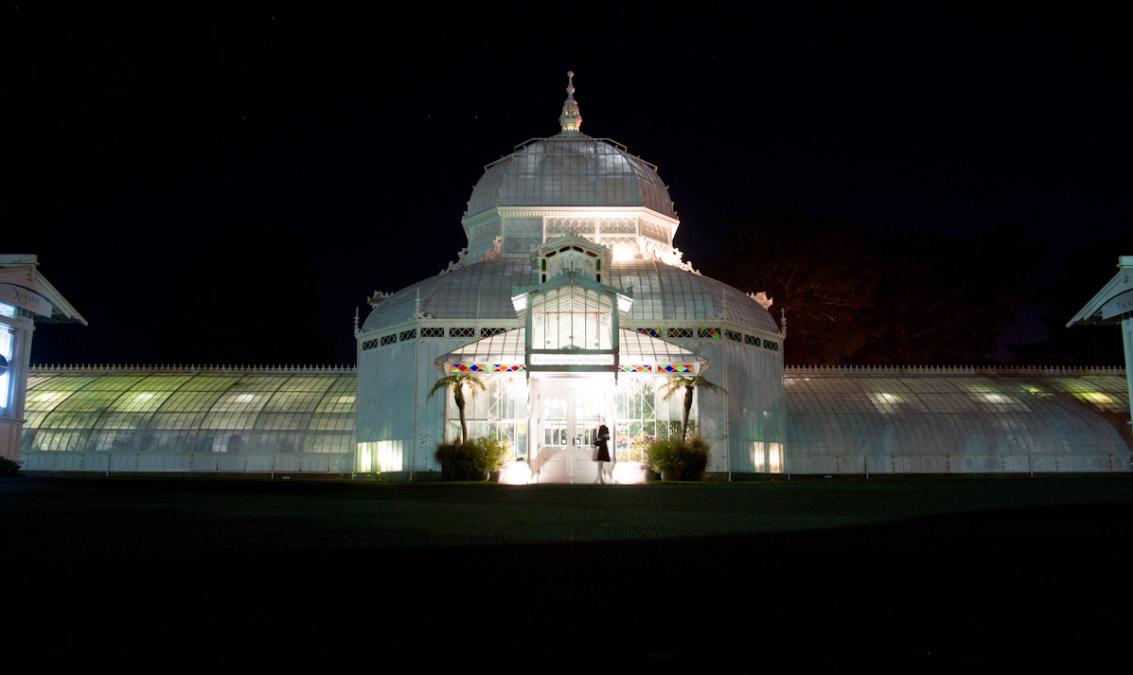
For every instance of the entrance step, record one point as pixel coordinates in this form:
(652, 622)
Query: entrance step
(555, 466)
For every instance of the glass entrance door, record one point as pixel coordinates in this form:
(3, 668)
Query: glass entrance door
(569, 414)
(556, 420)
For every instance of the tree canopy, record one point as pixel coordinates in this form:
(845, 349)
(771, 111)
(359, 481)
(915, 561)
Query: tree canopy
(853, 295)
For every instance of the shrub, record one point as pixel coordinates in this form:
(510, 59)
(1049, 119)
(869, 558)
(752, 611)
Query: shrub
(8, 467)
(473, 460)
(685, 461)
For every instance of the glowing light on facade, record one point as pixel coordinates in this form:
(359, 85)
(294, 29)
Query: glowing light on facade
(386, 455)
(1101, 400)
(390, 456)
(624, 253)
(365, 457)
(1096, 397)
(5, 367)
(515, 473)
(759, 456)
(885, 402)
(775, 457)
(629, 473)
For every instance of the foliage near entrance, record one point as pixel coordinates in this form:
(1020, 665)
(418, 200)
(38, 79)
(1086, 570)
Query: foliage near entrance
(457, 382)
(688, 383)
(8, 467)
(679, 459)
(473, 460)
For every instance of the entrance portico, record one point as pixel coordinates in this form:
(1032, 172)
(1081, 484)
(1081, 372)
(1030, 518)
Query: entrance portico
(547, 412)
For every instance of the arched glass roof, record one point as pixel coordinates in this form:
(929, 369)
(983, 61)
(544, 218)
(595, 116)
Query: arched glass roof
(940, 420)
(182, 410)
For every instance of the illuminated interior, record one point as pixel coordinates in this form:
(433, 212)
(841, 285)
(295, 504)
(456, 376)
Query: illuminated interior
(571, 318)
(182, 420)
(6, 341)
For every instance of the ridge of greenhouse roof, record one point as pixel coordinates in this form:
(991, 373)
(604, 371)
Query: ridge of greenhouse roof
(192, 368)
(347, 369)
(989, 370)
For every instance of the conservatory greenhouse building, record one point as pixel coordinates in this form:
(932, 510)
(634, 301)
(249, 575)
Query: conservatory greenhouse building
(573, 308)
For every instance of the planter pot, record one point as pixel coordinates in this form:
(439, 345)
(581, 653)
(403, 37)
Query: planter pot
(451, 472)
(673, 474)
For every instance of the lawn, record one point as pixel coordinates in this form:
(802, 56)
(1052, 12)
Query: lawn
(905, 572)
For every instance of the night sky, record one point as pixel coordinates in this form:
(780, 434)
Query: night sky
(227, 185)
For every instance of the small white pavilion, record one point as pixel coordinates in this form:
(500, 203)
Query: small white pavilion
(26, 296)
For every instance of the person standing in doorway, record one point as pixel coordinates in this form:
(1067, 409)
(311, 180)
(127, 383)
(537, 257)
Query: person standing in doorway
(602, 453)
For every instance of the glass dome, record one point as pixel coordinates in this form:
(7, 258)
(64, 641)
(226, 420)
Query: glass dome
(571, 169)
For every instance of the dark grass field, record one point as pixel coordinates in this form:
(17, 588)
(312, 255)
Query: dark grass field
(898, 573)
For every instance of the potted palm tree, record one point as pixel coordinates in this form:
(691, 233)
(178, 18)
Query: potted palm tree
(689, 383)
(684, 458)
(457, 381)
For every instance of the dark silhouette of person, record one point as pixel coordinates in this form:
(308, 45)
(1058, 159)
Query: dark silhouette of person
(602, 454)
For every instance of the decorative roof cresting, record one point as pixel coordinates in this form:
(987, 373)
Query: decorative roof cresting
(571, 117)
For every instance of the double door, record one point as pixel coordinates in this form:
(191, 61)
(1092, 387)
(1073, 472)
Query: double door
(569, 415)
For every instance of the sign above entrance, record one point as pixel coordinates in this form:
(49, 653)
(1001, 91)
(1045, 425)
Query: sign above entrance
(26, 298)
(572, 360)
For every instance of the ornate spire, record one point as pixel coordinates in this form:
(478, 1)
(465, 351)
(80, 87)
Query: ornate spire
(571, 118)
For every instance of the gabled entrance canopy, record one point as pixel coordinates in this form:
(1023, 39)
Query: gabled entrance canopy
(22, 285)
(1113, 304)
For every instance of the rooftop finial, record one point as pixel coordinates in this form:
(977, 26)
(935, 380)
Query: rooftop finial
(571, 118)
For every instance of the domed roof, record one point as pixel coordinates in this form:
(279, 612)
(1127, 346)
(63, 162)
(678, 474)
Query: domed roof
(571, 169)
(661, 292)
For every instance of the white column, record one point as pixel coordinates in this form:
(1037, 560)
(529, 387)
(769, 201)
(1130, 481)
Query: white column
(1127, 339)
(11, 425)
